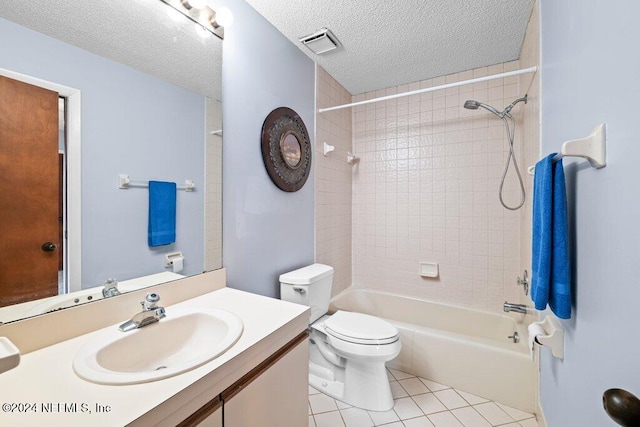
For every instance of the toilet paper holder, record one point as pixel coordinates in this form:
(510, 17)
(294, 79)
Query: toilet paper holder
(553, 338)
(171, 257)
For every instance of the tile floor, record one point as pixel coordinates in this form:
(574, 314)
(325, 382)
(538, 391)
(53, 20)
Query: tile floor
(418, 403)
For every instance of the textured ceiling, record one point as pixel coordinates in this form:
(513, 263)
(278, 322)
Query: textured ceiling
(387, 43)
(137, 33)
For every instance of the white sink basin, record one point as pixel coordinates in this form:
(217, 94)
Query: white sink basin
(184, 340)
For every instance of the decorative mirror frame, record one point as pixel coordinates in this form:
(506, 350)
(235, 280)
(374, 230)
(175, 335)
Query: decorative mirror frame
(278, 126)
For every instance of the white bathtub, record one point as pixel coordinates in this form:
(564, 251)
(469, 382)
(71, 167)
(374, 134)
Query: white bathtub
(461, 347)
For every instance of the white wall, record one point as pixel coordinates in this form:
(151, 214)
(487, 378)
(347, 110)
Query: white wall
(266, 231)
(590, 65)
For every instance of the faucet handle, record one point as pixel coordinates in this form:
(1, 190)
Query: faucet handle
(524, 282)
(150, 301)
(110, 288)
(110, 283)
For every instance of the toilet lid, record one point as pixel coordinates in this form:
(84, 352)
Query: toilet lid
(360, 328)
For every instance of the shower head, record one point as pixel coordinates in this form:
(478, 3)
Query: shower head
(474, 105)
(471, 104)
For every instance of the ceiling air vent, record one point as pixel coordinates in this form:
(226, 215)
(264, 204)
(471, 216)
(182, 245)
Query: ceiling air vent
(321, 41)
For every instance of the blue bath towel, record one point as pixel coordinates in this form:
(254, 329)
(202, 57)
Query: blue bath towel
(551, 278)
(162, 213)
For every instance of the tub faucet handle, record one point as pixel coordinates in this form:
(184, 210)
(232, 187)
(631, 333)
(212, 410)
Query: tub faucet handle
(524, 282)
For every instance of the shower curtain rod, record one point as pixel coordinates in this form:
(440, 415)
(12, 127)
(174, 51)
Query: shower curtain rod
(431, 89)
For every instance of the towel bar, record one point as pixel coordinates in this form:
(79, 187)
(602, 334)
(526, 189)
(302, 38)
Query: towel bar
(124, 183)
(593, 148)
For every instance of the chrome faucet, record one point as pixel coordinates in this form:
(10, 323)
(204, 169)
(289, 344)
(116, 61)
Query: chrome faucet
(110, 288)
(518, 308)
(150, 313)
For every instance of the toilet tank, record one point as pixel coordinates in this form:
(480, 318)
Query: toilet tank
(310, 286)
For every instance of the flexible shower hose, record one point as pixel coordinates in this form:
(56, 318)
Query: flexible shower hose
(511, 129)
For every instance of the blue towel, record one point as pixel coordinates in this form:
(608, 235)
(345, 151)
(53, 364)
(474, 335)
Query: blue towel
(162, 213)
(551, 278)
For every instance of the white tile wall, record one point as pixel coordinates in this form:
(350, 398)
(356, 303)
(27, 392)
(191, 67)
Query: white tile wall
(426, 186)
(213, 187)
(530, 133)
(426, 189)
(333, 185)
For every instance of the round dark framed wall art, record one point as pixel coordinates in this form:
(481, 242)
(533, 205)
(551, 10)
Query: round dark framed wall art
(286, 149)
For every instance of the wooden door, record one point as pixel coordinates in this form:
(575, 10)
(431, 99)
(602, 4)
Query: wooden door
(60, 212)
(29, 241)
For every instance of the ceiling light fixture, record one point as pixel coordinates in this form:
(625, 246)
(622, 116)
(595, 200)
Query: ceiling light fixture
(198, 4)
(201, 14)
(224, 17)
(322, 41)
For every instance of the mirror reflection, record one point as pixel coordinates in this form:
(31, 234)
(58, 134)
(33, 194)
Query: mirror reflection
(81, 108)
(291, 150)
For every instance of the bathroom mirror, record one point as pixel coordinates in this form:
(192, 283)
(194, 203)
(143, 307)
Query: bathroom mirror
(139, 90)
(291, 150)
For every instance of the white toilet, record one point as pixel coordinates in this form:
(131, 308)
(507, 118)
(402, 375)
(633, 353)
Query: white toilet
(347, 351)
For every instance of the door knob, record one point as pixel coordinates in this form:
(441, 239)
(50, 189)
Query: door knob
(49, 247)
(622, 406)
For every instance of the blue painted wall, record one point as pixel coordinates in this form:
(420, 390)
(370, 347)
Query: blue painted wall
(266, 231)
(591, 75)
(132, 123)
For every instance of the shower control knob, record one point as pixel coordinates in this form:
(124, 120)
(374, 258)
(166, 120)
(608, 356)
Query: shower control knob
(49, 247)
(524, 282)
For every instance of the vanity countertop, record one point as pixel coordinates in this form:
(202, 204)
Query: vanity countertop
(44, 390)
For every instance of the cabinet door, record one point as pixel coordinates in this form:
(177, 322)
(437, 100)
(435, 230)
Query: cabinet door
(278, 397)
(210, 415)
(213, 420)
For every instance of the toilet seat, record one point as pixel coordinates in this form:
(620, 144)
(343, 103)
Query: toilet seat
(358, 328)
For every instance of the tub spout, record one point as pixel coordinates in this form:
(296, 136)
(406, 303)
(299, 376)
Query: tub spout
(518, 308)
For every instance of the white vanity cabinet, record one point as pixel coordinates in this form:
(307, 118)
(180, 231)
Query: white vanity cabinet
(213, 420)
(273, 394)
(262, 380)
(209, 415)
